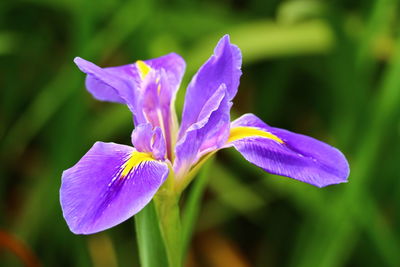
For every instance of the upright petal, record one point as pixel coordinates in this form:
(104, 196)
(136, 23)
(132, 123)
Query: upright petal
(107, 186)
(210, 132)
(221, 68)
(156, 104)
(288, 154)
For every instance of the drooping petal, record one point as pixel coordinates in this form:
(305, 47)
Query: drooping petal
(147, 139)
(123, 84)
(107, 186)
(105, 84)
(102, 88)
(288, 154)
(115, 84)
(221, 68)
(210, 132)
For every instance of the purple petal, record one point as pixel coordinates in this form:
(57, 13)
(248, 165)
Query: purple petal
(158, 145)
(156, 104)
(289, 154)
(173, 65)
(107, 186)
(210, 132)
(147, 139)
(123, 84)
(102, 89)
(221, 68)
(155, 98)
(104, 84)
(142, 136)
(116, 84)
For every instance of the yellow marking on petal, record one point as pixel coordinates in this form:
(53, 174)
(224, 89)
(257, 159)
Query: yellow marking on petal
(243, 132)
(135, 159)
(143, 68)
(159, 88)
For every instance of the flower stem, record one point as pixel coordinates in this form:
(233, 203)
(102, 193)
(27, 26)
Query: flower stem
(149, 238)
(167, 206)
(170, 225)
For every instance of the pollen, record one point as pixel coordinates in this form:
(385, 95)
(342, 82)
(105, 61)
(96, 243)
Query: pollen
(135, 159)
(246, 132)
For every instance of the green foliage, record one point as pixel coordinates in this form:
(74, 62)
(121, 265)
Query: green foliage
(331, 71)
(151, 246)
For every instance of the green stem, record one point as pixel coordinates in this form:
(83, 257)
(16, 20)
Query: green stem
(158, 225)
(167, 206)
(149, 239)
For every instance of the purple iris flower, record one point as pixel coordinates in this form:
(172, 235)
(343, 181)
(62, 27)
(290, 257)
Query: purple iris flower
(112, 182)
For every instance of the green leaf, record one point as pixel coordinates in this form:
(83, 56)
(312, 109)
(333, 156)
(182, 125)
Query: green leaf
(192, 206)
(150, 242)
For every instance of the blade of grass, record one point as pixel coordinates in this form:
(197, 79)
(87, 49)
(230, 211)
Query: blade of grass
(192, 205)
(150, 243)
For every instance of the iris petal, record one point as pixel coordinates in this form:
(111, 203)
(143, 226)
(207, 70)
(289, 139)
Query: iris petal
(210, 132)
(205, 118)
(107, 186)
(145, 138)
(221, 68)
(289, 154)
(105, 84)
(123, 84)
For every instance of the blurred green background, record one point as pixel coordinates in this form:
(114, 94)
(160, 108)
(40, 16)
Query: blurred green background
(329, 69)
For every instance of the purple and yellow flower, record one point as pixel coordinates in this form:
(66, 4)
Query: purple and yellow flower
(112, 182)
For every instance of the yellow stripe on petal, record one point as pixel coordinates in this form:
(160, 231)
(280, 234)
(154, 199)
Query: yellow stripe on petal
(246, 132)
(143, 68)
(135, 159)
